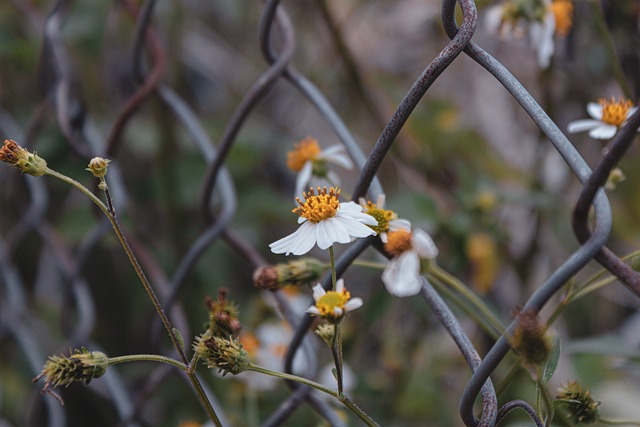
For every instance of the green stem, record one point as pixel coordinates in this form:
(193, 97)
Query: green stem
(147, 358)
(344, 399)
(336, 351)
(546, 400)
(369, 264)
(111, 215)
(482, 309)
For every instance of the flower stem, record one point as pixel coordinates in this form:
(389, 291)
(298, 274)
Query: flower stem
(111, 215)
(147, 358)
(619, 422)
(332, 259)
(344, 399)
(336, 351)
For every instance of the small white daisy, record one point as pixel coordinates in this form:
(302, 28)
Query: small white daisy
(387, 220)
(607, 117)
(401, 276)
(309, 160)
(333, 305)
(324, 221)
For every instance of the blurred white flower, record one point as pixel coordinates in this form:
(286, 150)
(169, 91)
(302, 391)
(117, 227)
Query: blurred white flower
(309, 160)
(607, 117)
(387, 219)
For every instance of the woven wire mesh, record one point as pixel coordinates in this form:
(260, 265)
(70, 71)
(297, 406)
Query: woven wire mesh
(199, 218)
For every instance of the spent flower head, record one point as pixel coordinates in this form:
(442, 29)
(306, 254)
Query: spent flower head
(223, 315)
(27, 162)
(294, 273)
(324, 221)
(607, 116)
(401, 276)
(333, 305)
(578, 402)
(309, 161)
(81, 365)
(530, 339)
(226, 354)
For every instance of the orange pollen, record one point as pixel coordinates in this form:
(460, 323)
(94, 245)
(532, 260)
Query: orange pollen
(305, 150)
(563, 14)
(398, 242)
(319, 207)
(615, 112)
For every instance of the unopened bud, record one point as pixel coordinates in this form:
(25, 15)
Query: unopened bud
(223, 316)
(98, 167)
(294, 273)
(29, 163)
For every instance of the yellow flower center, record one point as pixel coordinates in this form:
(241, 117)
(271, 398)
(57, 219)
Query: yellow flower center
(305, 150)
(563, 14)
(615, 112)
(381, 215)
(398, 242)
(331, 300)
(319, 207)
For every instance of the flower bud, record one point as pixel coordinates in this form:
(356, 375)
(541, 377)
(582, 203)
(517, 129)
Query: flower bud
(223, 316)
(29, 163)
(98, 167)
(294, 273)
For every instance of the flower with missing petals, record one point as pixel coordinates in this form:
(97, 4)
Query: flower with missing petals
(333, 305)
(324, 221)
(607, 117)
(401, 276)
(387, 220)
(309, 160)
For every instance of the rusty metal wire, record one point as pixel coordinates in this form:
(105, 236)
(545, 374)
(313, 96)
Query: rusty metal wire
(218, 205)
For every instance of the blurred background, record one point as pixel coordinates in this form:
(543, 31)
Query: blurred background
(470, 167)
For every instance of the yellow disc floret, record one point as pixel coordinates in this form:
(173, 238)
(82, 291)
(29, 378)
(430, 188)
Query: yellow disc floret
(381, 215)
(319, 207)
(563, 14)
(615, 112)
(328, 302)
(398, 242)
(305, 150)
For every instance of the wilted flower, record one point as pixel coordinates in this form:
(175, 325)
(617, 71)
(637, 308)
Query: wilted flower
(401, 276)
(29, 163)
(607, 117)
(333, 305)
(82, 365)
(324, 221)
(579, 403)
(309, 160)
(223, 315)
(530, 339)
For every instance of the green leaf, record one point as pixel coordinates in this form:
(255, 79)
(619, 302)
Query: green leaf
(552, 362)
(179, 337)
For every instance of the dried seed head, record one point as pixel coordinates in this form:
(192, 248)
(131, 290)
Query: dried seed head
(225, 354)
(29, 163)
(579, 403)
(531, 340)
(294, 273)
(223, 316)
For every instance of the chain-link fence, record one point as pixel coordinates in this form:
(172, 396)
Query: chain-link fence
(199, 184)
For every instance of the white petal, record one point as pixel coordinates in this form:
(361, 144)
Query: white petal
(337, 311)
(325, 234)
(352, 304)
(541, 36)
(424, 244)
(336, 154)
(383, 237)
(339, 285)
(582, 125)
(402, 275)
(380, 202)
(362, 202)
(603, 131)
(355, 228)
(342, 232)
(350, 207)
(318, 292)
(631, 111)
(303, 178)
(298, 243)
(399, 224)
(313, 310)
(595, 110)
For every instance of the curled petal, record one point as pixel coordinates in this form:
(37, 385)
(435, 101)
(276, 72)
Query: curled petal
(402, 275)
(424, 244)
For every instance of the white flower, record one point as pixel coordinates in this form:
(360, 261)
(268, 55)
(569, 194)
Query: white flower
(309, 160)
(401, 276)
(387, 220)
(333, 305)
(607, 117)
(324, 221)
